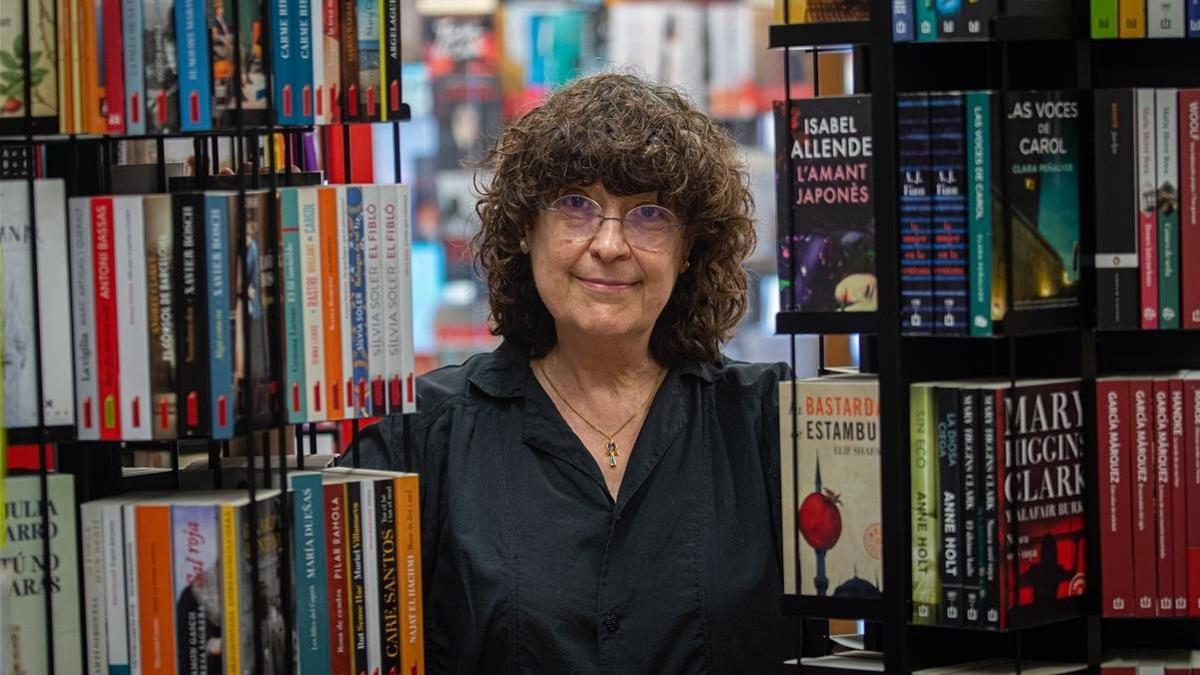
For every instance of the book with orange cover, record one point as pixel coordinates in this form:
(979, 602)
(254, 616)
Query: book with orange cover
(156, 606)
(330, 221)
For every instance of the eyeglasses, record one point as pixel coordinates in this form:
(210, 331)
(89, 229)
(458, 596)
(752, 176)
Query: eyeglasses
(648, 227)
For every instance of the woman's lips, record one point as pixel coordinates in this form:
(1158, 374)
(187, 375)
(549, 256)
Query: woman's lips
(605, 285)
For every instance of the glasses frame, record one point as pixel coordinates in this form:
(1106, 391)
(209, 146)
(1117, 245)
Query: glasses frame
(550, 208)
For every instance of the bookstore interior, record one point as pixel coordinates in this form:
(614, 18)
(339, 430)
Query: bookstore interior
(234, 234)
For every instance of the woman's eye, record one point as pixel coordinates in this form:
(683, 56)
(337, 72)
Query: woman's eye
(576, 202)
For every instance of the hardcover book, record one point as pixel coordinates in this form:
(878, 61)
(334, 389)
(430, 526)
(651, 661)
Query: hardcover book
(1189, 202)
(926, 520)
(950, 492)
(1042, 169)
(839, 514)
(916, 213)
(826, 222)
(1114, 433)
(1117, 295)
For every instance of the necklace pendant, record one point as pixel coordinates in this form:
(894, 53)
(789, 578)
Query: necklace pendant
(612, 455)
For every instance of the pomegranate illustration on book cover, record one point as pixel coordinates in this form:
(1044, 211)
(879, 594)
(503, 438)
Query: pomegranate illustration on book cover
(837, 462)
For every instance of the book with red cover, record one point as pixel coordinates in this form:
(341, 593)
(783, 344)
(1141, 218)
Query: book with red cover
(1191, 473)
(1189, 203)
(340, 649)
(1113, 435)
(114, 68)
(1164, 546)
(1178, 493)
(104, 273)
(1145, 569)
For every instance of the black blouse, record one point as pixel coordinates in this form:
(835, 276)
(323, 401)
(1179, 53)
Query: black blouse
(530, 566)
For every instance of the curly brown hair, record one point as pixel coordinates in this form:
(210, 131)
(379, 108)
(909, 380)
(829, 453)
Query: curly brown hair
(633, 136)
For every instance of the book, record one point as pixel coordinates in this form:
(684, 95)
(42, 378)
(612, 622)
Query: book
(391, 62)
(820, 11)
(1113, 434)
(949, 18)
(902, 21)
(260, 520)
(91, 40)
(309, 563)
(345, 231)
(244, 58)
(789, 480)
(972, 522)
(195, 75)
(1193, 18)
(311, 268)
(1189, 203)
(67, 63)
(220, 209)
(356, 205)
(351, 97)
(947, 135)
(950, 493)
(319, 98)
(1166, 161)
(159, 260)
(191, 306)
(826, 222)
(50, 336)
(1147, 196)
(24, 592)
(1117, 295)
(91, 527)
(1178, 499)
(331, 212)
(197, 580)
(977, 17)
(371, 104)
(1042, 188)
(132, 35)
(408, 350)
(295, 390)
(1191, 421)
(1145, 571)
(338, 585)
(104, 294)
(162, 67)
(375, 309)
(283, 49)
(255, 320)
(133, 331)
(926, 19)
(916, 213)
(926, 539)
(1104, 20)
(1161, 480)
(43, 65)
(83, 314)
(408, 542)
(303, 59)
(114, 67)
(1165, 18)
(838, 459)
(331, 69)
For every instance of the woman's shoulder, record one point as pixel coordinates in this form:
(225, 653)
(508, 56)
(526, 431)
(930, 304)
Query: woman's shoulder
(741, 377)
(495, 373)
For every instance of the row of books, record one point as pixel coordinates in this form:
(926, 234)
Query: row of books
(1148, 438)
(174, 328)
(1143, 18)
(1151, 662)
(150, 66)
(1147, 208)
(998, 526)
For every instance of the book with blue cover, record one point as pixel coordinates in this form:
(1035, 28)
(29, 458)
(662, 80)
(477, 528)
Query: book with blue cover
(312, 607)
(195, 75)
(916, 213)
(293, 310)
(948, 158)
(984, 203)
(219, 210)
(135, 67)
(360, 369)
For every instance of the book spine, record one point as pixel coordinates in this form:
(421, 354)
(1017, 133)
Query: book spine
(1116, 225)
(83, 309)
(368, 60)
(345, 236)
(1165, 18)
(57, 399)
(1113, 432)
(1145, 571)
(902, 20)
(1104, 19)
(408, 537)
(953, 604)
(376, 315)
(133, 333)
(220, 356)
(371, 611)
(135, 66)
(132, 584)
(1147, 208)
(231, 614)
(331, 50)
(104, 282)
(388, 565)
(971, 520)
(393, 62)
(191, 301)
(1007, 596)
(320, 107)
(408, 354)
(1178, 504)
(302, 62)
(114, 69)
(389, 209)
(91, 526)
(312, 607)
(947, 141)
(331, 295)
(927, 28)
(1167, 198)
(340, 649)
(356, 204)
(925, 518)
(156, 600)
(979, 210)
(991, 566)
(356, 576)
(1132, 14)
(949, 20)
(1189, 202)
(282, 57)
(293, 309)
(64, 42)
(351, 97)
(162, 86)
(1192, 487)
(977, 18)
(1161, 477)
(195, 78)
(116, 599)
(91, 41)
(1193, 18)
(916, 205)
(160, 310)
(311, 281)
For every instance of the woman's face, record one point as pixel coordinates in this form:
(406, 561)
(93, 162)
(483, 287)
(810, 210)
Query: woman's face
(602, 287)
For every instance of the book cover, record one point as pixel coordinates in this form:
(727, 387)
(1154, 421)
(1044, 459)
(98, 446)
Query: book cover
(1193, 18)
(23, 594)
(991, 419)
(195, 75)
(293, 307)
(375, 311)
(980, 180)
(1178, 500)
(1165, 18)
(22, 340)
(43, 66)
(1104, 19)
(372, 618)
(977, 17)
(1117, 295)
(838, 460)
(133, 329)
(950, 25)
(331, 213)
(408, 353)
(355, 567)
(157, 606)
(118, 556)
(276, 644)
(1147, 196)
(219, 210)
(191, 304)
(196, 543)
(67, 64)
(902, 21)
(1164, 548)
(1191, 474)
(391, 207)
(1042, 188)
(83, 314)
(1145, 571)
(392, 62)
(1114, 432)
(338, 587)
(1166, 161)
(345, 231)
(302, 61)
(926, 593)
(313, 310)
(408, 536)
(1189, 203)
(826, 221)
(370, 104)
(312, 608)
(351, 96)
(948, 161)
(247, 51)
(162, 66)
(331, 50)
(926, 18)
(360, 369)
(319, 98)
(1041, 499)
(949, 453)
(788, 482)
(915, 167)
(388, 566)
(254, 303)
(91, 530)
(132, 34)
(104, 285)
(160, 311)
(114, 67)
(972, 512)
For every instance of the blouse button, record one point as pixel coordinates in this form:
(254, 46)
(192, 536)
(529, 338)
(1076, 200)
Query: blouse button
(611, 624)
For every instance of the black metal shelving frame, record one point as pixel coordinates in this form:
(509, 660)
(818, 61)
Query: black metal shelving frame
(96, 466)
(1022, 53)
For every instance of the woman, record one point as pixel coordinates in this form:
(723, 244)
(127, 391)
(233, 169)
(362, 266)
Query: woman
(601, 493)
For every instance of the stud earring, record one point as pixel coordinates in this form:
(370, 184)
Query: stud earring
(686, 265)
(523, 246)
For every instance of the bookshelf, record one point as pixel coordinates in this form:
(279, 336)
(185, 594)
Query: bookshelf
(269, 454)
(1022, 53)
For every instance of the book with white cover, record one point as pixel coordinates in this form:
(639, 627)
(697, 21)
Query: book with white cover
(390, 203)
(373, 250)
(310, 275)
(83, 312)
(133, 329)
(408, 355)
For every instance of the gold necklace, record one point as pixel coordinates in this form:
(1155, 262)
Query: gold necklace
(611, 449)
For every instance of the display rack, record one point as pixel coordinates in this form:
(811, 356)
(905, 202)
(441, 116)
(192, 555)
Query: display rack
(96, 466)
(1023, 53)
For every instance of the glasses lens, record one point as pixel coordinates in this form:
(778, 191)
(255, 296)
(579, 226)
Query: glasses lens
(649, 226)
(576, 215)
